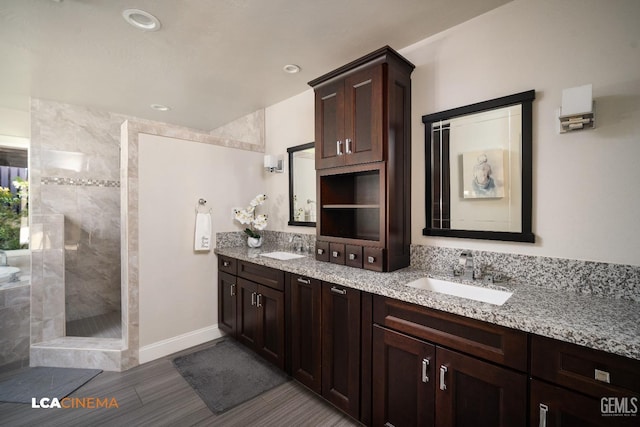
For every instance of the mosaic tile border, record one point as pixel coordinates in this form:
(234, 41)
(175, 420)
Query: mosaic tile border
(83, 182)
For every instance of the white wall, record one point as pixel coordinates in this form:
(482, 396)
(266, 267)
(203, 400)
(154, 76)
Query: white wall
(584, 200)
(584, 206)
(178, 287)
(287, 124)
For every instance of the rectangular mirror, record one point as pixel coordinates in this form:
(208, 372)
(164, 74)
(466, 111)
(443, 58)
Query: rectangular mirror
(302, 185)
(478, 170)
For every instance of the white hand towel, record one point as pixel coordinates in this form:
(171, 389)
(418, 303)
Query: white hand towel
(203, 232)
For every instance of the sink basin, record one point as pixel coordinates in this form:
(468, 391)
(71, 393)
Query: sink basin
(282, 256)
(7, 272)
(476, 293)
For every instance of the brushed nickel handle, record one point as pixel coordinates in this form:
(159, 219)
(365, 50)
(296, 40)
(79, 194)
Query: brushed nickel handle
(371, 260)
(339, 148)
(425, 370)
(543, 415)
(388, 424)
(233, 290)
(253, 298)
(352, 256)
(320, 251)
(338, 290)
(335, 254)
(259, 300)
(348, 145)
(443, 371)
(226, 263)
(305, 281)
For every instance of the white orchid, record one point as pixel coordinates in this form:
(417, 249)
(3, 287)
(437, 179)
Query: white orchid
(248, 216)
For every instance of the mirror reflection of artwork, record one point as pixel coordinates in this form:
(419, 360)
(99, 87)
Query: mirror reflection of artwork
(483, 174)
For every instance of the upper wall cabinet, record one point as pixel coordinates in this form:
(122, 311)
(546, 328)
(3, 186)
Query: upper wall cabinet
(350, 105)
(363, 162)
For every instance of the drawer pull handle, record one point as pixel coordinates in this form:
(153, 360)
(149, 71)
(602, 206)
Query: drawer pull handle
(253, 298)
(388, 424)
(305, 281)
(259, 300)
(335, 254)
(233, 290)
(338, 290)
(352, 256)
(425, 372)
(371, 260)
(339, 148)
(443, 371)
(602, 376)
(320, 251)
(347, 145)
(226, 263)
(543, 415)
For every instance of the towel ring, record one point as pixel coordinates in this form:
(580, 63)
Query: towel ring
(201, 204)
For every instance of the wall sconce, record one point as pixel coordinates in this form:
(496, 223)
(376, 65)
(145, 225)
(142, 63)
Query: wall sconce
(274, 163)
(577, 110)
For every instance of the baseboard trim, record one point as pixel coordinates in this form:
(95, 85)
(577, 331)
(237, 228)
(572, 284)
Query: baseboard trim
(171, 345)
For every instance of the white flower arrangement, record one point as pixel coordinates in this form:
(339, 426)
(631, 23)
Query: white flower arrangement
(248, 216)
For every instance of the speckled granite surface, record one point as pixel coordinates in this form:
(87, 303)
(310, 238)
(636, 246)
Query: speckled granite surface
(609, 324)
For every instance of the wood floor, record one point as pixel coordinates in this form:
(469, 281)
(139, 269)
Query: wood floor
(155, 394)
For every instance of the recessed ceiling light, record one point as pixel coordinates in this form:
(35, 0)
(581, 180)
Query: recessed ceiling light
(141, 20)
(291, 68)
(160, 107)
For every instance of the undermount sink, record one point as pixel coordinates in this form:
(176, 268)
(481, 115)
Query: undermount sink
(7, 272)
(282, 256)
(476, 293)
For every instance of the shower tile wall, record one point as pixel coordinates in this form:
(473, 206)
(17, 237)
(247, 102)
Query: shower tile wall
(75, 171)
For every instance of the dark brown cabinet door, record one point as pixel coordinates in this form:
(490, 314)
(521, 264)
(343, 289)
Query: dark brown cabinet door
(227, 292)
(363, 116)
(470, 393)
(329, 125)
(553, 406)
(270, 325)
(403, 380)
(246, 319)
(341, 347)
(306, 350)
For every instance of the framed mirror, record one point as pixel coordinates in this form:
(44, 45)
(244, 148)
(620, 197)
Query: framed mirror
(302, 185)
(478, 170)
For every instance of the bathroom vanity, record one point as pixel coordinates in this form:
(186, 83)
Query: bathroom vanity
(390, 354)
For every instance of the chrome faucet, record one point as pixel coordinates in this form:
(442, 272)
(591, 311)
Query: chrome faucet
(466, 266)
(297, 247)
(3, 259)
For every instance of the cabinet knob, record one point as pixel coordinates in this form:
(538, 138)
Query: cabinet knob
(320, 251)
(371, 260)
(335, 254)
(352, 256)
(226, 263)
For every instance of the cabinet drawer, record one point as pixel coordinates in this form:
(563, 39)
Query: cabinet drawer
(374, 259)
(584, 369)
(228, 265)
(490, 342)
(353, 256)
(260, 274)
(336, 253)
(322, 251)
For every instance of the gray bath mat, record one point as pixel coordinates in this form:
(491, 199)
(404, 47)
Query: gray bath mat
(39, 382)
(228, 374)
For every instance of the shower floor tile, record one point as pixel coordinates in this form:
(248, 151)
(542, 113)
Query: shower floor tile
(108, 325)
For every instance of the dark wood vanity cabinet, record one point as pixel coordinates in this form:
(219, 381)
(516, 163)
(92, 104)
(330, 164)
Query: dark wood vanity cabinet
(341, 335)
(430, 369)
(363, 160)
(305, 304)
(251, 307)
(577, 386)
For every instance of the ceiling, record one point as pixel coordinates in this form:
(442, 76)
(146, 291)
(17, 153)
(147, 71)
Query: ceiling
(211, 62)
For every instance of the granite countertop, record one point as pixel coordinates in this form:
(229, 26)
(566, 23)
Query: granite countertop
(608, 324)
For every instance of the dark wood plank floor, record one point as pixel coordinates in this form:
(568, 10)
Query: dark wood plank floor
(155, 394)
